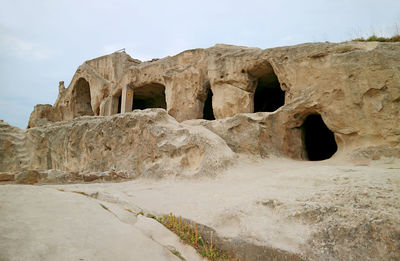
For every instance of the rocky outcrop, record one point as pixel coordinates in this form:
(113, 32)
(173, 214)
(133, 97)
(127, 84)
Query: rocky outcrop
(204, 110)
(353, 86)
(14, 153)
(43, 114)
(91, 84)
(148, 142)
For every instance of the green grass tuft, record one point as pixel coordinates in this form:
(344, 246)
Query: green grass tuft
(151, 216)
(176, 252)
(106, 208)
(189, 234)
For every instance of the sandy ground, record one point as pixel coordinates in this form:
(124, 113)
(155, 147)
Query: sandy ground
(318, 210)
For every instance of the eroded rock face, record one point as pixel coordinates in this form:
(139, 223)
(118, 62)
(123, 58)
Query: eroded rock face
(353, 86)
(350, 91)
(13, 150)
(148, 142)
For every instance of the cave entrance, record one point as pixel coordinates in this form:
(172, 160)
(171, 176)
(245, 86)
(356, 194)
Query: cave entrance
(208, 113)
(319, 141)
(82, 98)
(119, 103)
(149, 96)
(268, 96)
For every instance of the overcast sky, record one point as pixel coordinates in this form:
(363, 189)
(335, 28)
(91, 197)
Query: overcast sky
(44, 41)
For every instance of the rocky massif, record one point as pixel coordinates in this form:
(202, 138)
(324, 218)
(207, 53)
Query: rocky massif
(203, 134)
(353, 87)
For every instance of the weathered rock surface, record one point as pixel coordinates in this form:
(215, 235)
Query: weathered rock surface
(256, 134)
(13, 149)
(7, 177)
(354, 86)
(291, 210)
(345, 208)
(39, 223)
(149, 143)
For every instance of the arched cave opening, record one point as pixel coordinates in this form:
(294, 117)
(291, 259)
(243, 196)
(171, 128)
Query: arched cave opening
(149, 96)
(319, 141)
(82, 98)
(268, 96)
(208, 113)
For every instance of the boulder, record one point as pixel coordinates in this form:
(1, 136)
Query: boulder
(29, 177)
(148, 142)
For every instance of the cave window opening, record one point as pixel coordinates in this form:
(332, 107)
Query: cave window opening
(119, 103)
(319, 141)
(208, 113)
(268, 96)
(83, 100)
(149, 96)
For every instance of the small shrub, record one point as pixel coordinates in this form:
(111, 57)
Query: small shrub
(395, 38)
(189, 234)
(151, 216)
(374, 38)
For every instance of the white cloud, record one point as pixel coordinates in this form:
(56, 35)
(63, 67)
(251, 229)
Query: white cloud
(15, 46)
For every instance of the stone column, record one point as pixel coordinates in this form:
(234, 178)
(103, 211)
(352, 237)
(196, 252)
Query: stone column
(127, 99)
(229, 100)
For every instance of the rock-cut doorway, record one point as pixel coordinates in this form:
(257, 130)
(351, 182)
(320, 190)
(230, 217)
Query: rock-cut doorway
(149, 96)
(208, 112)
(268, 95)
(81, 94)
(319, 140)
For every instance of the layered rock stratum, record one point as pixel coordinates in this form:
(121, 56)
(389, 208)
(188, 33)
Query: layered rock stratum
(226, 136)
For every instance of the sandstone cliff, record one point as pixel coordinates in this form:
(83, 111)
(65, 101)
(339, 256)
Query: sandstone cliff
(353, 87)
(187, 118)
(147, 143)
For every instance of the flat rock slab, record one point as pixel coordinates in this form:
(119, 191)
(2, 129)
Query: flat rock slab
(312, 210)
(38, 223)
(315, 210)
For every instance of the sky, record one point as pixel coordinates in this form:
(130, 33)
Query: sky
(43, 42)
